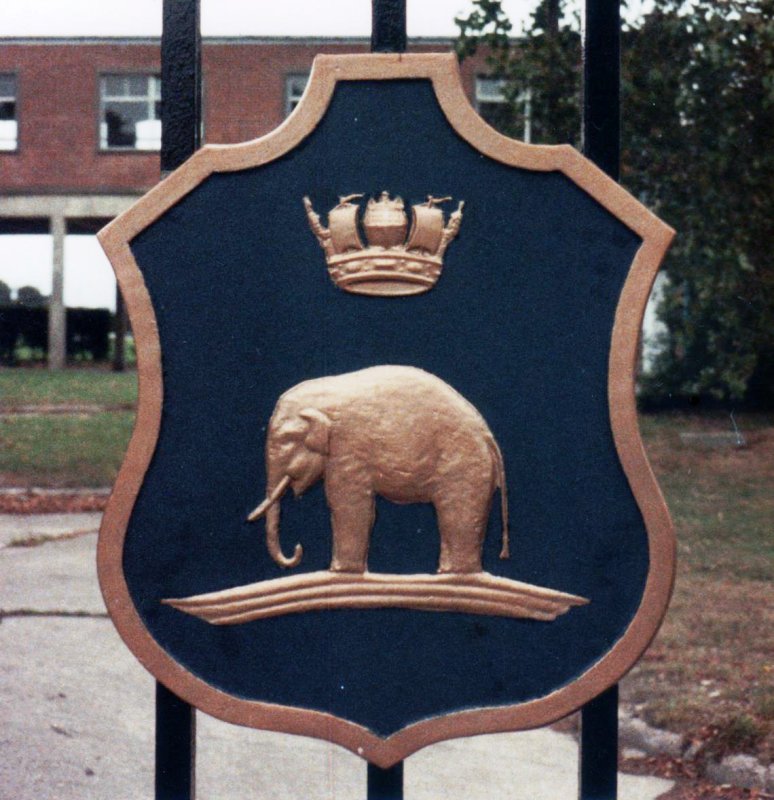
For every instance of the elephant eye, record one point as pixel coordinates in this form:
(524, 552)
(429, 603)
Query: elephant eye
(291, 429)
(282, 447)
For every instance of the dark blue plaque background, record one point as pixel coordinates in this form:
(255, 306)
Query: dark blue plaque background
(519, 323)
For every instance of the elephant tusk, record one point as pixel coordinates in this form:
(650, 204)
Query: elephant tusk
(258, 512)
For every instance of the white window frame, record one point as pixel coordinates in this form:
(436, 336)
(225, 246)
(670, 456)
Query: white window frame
(292, 97)
(9, 128)
(497, 97)
(151, 97)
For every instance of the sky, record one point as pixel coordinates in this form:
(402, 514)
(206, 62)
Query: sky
(26, 260)
(230, 17)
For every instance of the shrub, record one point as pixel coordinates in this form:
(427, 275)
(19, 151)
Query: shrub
(24, 333)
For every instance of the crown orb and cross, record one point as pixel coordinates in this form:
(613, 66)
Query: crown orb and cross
(391, 264)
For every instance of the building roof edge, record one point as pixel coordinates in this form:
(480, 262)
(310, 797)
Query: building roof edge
(212, 40)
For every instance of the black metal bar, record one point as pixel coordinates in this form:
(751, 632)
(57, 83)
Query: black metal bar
(388, 35)
(598, 763)
(388, 26)
(181, 82)
(601, 84)
(598, 769)
(175, 746)
(385, 784)
(9, 225)
(85, 226)
(119, 329)
(181, 114)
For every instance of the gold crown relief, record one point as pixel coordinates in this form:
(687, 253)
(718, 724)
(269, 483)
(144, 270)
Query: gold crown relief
(391, 264)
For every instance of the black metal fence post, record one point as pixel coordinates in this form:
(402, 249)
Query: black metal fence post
(119, 330)
(598, 766)
(385, 784)
(602, 85)
(175, 747)
(388, 26)
(598, 772)
(181, 82)
(388, 35)
(181, 114)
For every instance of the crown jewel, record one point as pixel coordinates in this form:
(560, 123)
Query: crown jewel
(391, 264)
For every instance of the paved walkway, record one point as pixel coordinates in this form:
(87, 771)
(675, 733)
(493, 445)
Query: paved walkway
(76, 709)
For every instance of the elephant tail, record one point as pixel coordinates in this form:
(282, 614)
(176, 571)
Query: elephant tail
(503, 486)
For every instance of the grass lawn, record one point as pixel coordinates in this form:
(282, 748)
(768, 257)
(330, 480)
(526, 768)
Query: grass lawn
(60, 450)
(38, 386)
(709, 673)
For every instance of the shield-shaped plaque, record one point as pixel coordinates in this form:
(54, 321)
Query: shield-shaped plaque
(427, 332)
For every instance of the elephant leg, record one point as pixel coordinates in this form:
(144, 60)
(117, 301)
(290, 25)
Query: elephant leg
(462, 536)
(352, 520)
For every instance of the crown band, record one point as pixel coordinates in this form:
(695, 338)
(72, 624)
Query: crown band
(391, 264)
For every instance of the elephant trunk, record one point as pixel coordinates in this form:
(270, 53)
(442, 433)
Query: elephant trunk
(273, 543)
(270, 508)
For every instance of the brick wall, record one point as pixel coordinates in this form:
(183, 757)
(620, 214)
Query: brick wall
(57, 112)
(58, 105)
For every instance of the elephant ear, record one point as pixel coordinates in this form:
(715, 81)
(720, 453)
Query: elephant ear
(319, 430)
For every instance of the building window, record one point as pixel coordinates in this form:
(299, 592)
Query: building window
(9, 124)
(294, 88)
(490, 100)
(130, 112)
(492, 104)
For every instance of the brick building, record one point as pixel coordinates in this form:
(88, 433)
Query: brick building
(80, 129)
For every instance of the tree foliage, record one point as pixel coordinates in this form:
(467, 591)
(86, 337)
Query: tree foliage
(697, 148)
(31, 297)
(546, 62)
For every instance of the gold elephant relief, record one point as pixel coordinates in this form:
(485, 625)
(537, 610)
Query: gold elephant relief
(405, 435)
(397, 432)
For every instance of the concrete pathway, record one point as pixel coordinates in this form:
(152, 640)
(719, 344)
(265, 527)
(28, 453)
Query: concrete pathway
(21, 528)
(76, 709)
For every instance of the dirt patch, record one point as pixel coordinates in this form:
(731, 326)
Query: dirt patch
(31, 502)
(688, 783)
(37, 539)
(710, 672)
(686, 773)
(709, 675)
(63, 408)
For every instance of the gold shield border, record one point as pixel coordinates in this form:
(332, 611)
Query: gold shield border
(443, 72)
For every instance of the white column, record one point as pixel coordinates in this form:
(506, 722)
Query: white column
(56, 306)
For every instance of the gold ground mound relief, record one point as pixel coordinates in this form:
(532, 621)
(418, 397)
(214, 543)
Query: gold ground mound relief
(405, 435)
(481, 593)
